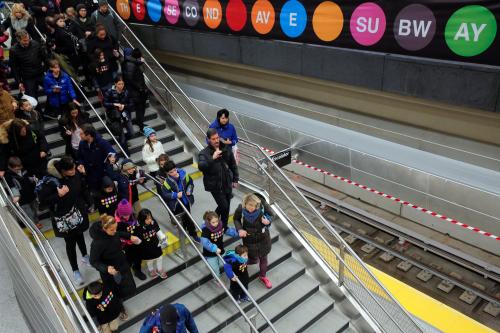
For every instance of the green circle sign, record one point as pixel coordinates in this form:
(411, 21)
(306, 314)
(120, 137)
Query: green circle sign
(470, 30)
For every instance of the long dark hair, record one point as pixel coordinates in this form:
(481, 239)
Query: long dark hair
(143, 215)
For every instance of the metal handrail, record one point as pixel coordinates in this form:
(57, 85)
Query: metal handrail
(43, 245)
(264, 155)
(188, 213)
(186, 235)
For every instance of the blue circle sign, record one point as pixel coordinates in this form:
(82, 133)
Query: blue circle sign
(293, 18)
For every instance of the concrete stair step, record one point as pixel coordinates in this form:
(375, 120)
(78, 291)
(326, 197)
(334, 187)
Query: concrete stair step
(334, 322)
(178, 285)
(290, 287)
(305, 315)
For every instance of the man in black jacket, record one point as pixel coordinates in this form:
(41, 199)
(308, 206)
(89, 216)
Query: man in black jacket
(26, 60)
(134, 81)
(220, 173)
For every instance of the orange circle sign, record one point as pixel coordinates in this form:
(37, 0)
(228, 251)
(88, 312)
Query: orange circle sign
(123, 9)
(263, 16)
(212, 13)
(328, 21)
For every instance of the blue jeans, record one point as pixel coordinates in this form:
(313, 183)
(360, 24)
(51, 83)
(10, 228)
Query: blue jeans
(214, 262)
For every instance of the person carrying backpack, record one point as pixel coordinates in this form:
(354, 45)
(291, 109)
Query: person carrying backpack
(171, 318)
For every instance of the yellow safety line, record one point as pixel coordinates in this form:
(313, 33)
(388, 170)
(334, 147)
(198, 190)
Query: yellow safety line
(417, 303)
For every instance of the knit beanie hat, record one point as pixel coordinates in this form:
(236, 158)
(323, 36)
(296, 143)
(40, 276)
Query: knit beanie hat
(124, 208)
(107, 182)
(148, 131)
(102, 2)
(168, 318)
(80, 6)
(127, 164)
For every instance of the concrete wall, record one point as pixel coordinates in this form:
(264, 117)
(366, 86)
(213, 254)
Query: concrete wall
(475, 86)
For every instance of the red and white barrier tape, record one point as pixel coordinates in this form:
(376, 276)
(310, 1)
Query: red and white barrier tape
(388, 196)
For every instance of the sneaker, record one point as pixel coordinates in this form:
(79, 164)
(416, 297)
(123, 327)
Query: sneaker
(86, 260)
(153, 273)
(78, 278)
(266, 282)
(123, 315)
(245, 299)
(140, 275)
(162, 274)
(197, 239)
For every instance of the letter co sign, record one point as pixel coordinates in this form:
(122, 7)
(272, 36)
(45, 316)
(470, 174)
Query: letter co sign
(464, 30)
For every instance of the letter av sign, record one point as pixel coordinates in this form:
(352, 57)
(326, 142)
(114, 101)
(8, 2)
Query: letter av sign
(471, 30)
(367, 24)
(414, 27)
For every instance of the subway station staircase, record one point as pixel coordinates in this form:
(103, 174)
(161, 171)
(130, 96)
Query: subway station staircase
(319, 284)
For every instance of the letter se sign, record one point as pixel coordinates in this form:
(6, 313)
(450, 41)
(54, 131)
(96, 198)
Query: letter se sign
(463, 30)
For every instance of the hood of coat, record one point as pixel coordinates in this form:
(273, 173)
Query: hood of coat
(5, 129)
(51, 168)
(96, 232)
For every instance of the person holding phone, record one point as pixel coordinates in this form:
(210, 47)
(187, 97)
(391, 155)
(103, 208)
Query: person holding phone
(59, 89)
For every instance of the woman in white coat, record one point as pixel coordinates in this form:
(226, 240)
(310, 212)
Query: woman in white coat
(151, 150)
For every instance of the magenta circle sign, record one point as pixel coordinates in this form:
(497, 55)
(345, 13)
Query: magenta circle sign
(172, 11)
(368, 24)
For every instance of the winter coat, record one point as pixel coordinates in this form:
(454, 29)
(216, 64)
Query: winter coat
(93, 157)
(32, 117)
(78, 197)
(109, 21)
(149, 157)
(66, 123)
(52, 9)
(84, 25)
(107, 45)
(65, 95)
(127, 186)
(113, 96)
(27, 148)
(213, 240)
(185, 319)
(102, 74)
(236, 265)
(225, 132)
(27, 62)
(21, 185)
(107, 250)
(219, 174)
(64, 41)
(30, 28)
(173, 186)
(258, 239)
(104, 309)
(133, 76)
(6, 108)
(149, 249)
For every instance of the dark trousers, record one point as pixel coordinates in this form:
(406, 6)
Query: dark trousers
(31, 86)
(223, 201)
(71, 242)
(262, 264)
(187, 223)
(126, 288)
(133, 257)
(140, 109)
(236, 290)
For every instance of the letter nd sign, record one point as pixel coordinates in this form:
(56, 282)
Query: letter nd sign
(471, 30)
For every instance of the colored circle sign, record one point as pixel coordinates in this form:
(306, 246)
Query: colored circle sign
(212, 13)
(368, 24)
(172, 11)
(139, 9)
(154, 10)
(328, 21)
(293, 18)
(263, 16)
(191, 12)
(470, 30)
(123, 9)
(236, 15)
(414, 27)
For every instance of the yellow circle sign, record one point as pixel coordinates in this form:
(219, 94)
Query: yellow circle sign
(123, 9)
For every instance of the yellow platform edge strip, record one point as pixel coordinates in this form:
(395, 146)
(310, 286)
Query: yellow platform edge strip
(422, 306)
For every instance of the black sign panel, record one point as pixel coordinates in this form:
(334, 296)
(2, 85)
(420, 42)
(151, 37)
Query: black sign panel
(282, 158)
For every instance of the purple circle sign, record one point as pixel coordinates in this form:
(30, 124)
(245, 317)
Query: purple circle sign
(368, 24)
(414, 27)
(172, 11)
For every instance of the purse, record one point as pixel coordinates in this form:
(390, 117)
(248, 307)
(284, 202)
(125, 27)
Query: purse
(69, 221)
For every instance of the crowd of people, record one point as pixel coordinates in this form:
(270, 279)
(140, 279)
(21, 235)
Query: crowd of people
(54, 44)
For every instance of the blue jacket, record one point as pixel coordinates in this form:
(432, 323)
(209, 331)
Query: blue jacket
(171, 187)
(232, 259)
(226, 132)
(67, 93)
(93, 158)
(185, 321)
(209, 245)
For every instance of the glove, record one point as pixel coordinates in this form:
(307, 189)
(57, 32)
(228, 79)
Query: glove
(162, 239)
(124, 116)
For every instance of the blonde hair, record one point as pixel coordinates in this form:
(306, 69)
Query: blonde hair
(19, 8)
(107, 221)
(248, 198)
